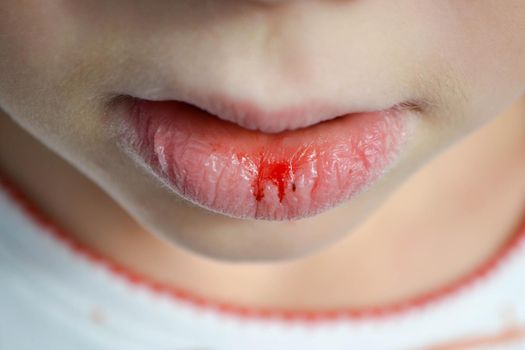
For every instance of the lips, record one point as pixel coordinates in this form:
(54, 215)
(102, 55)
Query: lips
(245, 173)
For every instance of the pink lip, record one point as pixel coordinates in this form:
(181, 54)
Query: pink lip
(250, 174)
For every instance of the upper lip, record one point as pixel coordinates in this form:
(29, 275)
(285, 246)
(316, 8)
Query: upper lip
(253, 116)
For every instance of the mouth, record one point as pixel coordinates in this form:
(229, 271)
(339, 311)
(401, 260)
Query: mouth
(246, 173)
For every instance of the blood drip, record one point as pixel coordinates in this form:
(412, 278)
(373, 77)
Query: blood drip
(278, 173)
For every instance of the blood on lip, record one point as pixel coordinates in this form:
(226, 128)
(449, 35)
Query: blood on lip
(278, 173)
(249, 174)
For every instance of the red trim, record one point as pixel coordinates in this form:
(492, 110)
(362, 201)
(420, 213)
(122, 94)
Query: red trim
(247, 312)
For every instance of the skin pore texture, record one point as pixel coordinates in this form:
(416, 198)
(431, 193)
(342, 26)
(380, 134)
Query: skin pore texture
(462, 62)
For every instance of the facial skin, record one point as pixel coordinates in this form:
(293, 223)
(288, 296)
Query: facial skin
(62, 64)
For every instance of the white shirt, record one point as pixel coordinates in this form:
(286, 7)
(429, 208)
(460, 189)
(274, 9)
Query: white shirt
(57, 294)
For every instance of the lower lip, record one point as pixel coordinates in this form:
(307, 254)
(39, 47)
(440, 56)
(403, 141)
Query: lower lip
(249, 174)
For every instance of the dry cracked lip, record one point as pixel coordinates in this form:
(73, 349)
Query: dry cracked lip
(243, 173)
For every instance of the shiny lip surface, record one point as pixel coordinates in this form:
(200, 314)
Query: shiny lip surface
(244, 173)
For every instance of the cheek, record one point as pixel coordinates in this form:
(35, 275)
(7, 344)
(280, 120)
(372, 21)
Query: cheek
(34, 36)
(492, 49)
(32, 43)
(43, 75)
(483, 44)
